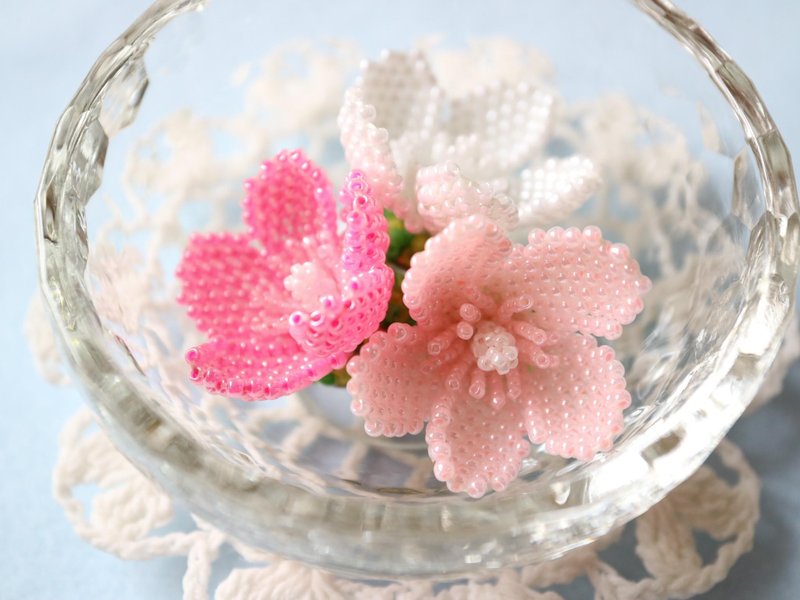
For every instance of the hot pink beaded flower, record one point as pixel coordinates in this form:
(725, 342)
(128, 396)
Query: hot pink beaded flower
(503, 346)
(431, 159)
(288, 301)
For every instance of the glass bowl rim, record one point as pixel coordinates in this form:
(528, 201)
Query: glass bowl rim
(208, 482)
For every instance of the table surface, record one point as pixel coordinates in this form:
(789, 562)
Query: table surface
(45, 50)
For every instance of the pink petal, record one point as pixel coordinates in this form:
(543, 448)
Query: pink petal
(444, 194)
(397, 98)
(573, 280)
(552, 192)
(457, 265)
(229, 287)
(575, 407)
(389, 388)
(289, 209)
(367, 148)
(578, 281)
(496, 129)
(310, 281)
(365, 238)
(475, 447)
(339, 321)
(257, 367)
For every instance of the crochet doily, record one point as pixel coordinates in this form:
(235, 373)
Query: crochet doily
(133, 243)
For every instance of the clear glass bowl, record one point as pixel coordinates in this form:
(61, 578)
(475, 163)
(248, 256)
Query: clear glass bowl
(185, 103)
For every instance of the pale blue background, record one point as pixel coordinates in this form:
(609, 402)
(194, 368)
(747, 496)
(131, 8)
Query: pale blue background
(46, 48)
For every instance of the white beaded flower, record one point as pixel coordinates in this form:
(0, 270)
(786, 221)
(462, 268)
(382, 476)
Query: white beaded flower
(432, 159)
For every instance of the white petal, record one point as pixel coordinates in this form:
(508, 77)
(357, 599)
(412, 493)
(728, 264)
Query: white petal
(403, 91)
(552, 192)
(386, 124)
(496, 129)
(444, 194)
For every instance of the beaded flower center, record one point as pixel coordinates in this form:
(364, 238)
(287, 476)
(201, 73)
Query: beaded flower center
(487, 345)
(494, 348)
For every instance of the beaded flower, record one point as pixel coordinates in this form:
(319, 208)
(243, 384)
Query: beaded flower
(288, 301)
(503, 347)
(431, 159)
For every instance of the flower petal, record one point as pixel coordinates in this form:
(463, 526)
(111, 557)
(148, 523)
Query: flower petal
(552, 192)
(578, 281)
(229, 286)
(367, 149)
(474, 446)
(575, 406)
(496, 129)
(310, 281)
(391, 112)
(340, 320)
(366, 237)
(390, 390)
(289, 208)
(257, 367)
(444, 194)
(402, 89)
(455, 267)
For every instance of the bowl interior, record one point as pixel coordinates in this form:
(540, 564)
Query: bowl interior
(181, 120)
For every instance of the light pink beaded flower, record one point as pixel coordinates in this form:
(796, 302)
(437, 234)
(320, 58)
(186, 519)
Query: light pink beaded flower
(503, 346)
(288, 301)
(432, 159)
